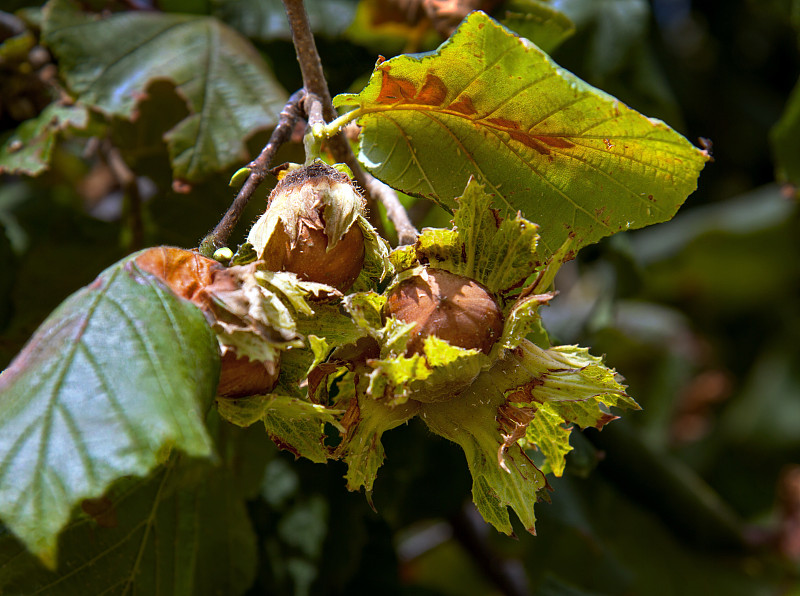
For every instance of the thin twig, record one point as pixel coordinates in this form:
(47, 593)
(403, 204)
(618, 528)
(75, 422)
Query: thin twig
(316, 85)
(259, 168)
(397, 214)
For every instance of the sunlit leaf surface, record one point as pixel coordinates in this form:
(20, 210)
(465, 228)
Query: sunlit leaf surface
(488, 104)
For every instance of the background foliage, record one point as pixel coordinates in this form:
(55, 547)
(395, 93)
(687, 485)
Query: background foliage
(697, 493)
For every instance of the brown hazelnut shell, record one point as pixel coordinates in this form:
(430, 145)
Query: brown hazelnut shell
(310, 258)
(452, 307)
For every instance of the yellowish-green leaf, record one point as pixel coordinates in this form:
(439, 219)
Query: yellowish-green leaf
(575, 384)
(299, 426)
(498, 252)
(547, 433)
(491, 105)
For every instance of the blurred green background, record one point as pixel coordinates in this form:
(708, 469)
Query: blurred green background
(699, 493)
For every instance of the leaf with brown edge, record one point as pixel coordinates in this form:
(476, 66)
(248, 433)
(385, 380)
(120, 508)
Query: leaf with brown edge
(491, 105)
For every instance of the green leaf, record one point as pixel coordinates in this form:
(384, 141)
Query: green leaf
(330, 323)
(470, 421)
(785, 137)
(530, 394)
(568, 156)
(377, 265)
(182, 531)
(29, 149)
(539, 21)
(522, 319)
(365, 422)
(228, 88)
(391, 378)
(251, 319)
(366, 309)
(121, 373)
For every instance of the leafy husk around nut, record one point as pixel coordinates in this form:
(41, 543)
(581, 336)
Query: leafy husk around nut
(309, 227)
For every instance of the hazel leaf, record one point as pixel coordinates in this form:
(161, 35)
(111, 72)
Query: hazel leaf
(390, 378)
(110, 62)
(293, 424)
(491, 105)
(522, 319)
(377, 265)
(330, 324)
(366, 310)
(116, 544)
(249, 319)
(440, 373)
(121, 373)
(524, 400)
(299, 426)
(292, 289)
(548, 433)
(243, 411)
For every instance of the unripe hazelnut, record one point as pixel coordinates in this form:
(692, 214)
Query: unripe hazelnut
(452, 307)
(310, 227)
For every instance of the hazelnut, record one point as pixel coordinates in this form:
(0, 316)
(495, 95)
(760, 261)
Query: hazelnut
(240, 377)
(310, 227)
(452, 307)
(310, 259)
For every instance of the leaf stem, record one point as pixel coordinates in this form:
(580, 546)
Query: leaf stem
(259, 169)
(336, 125)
